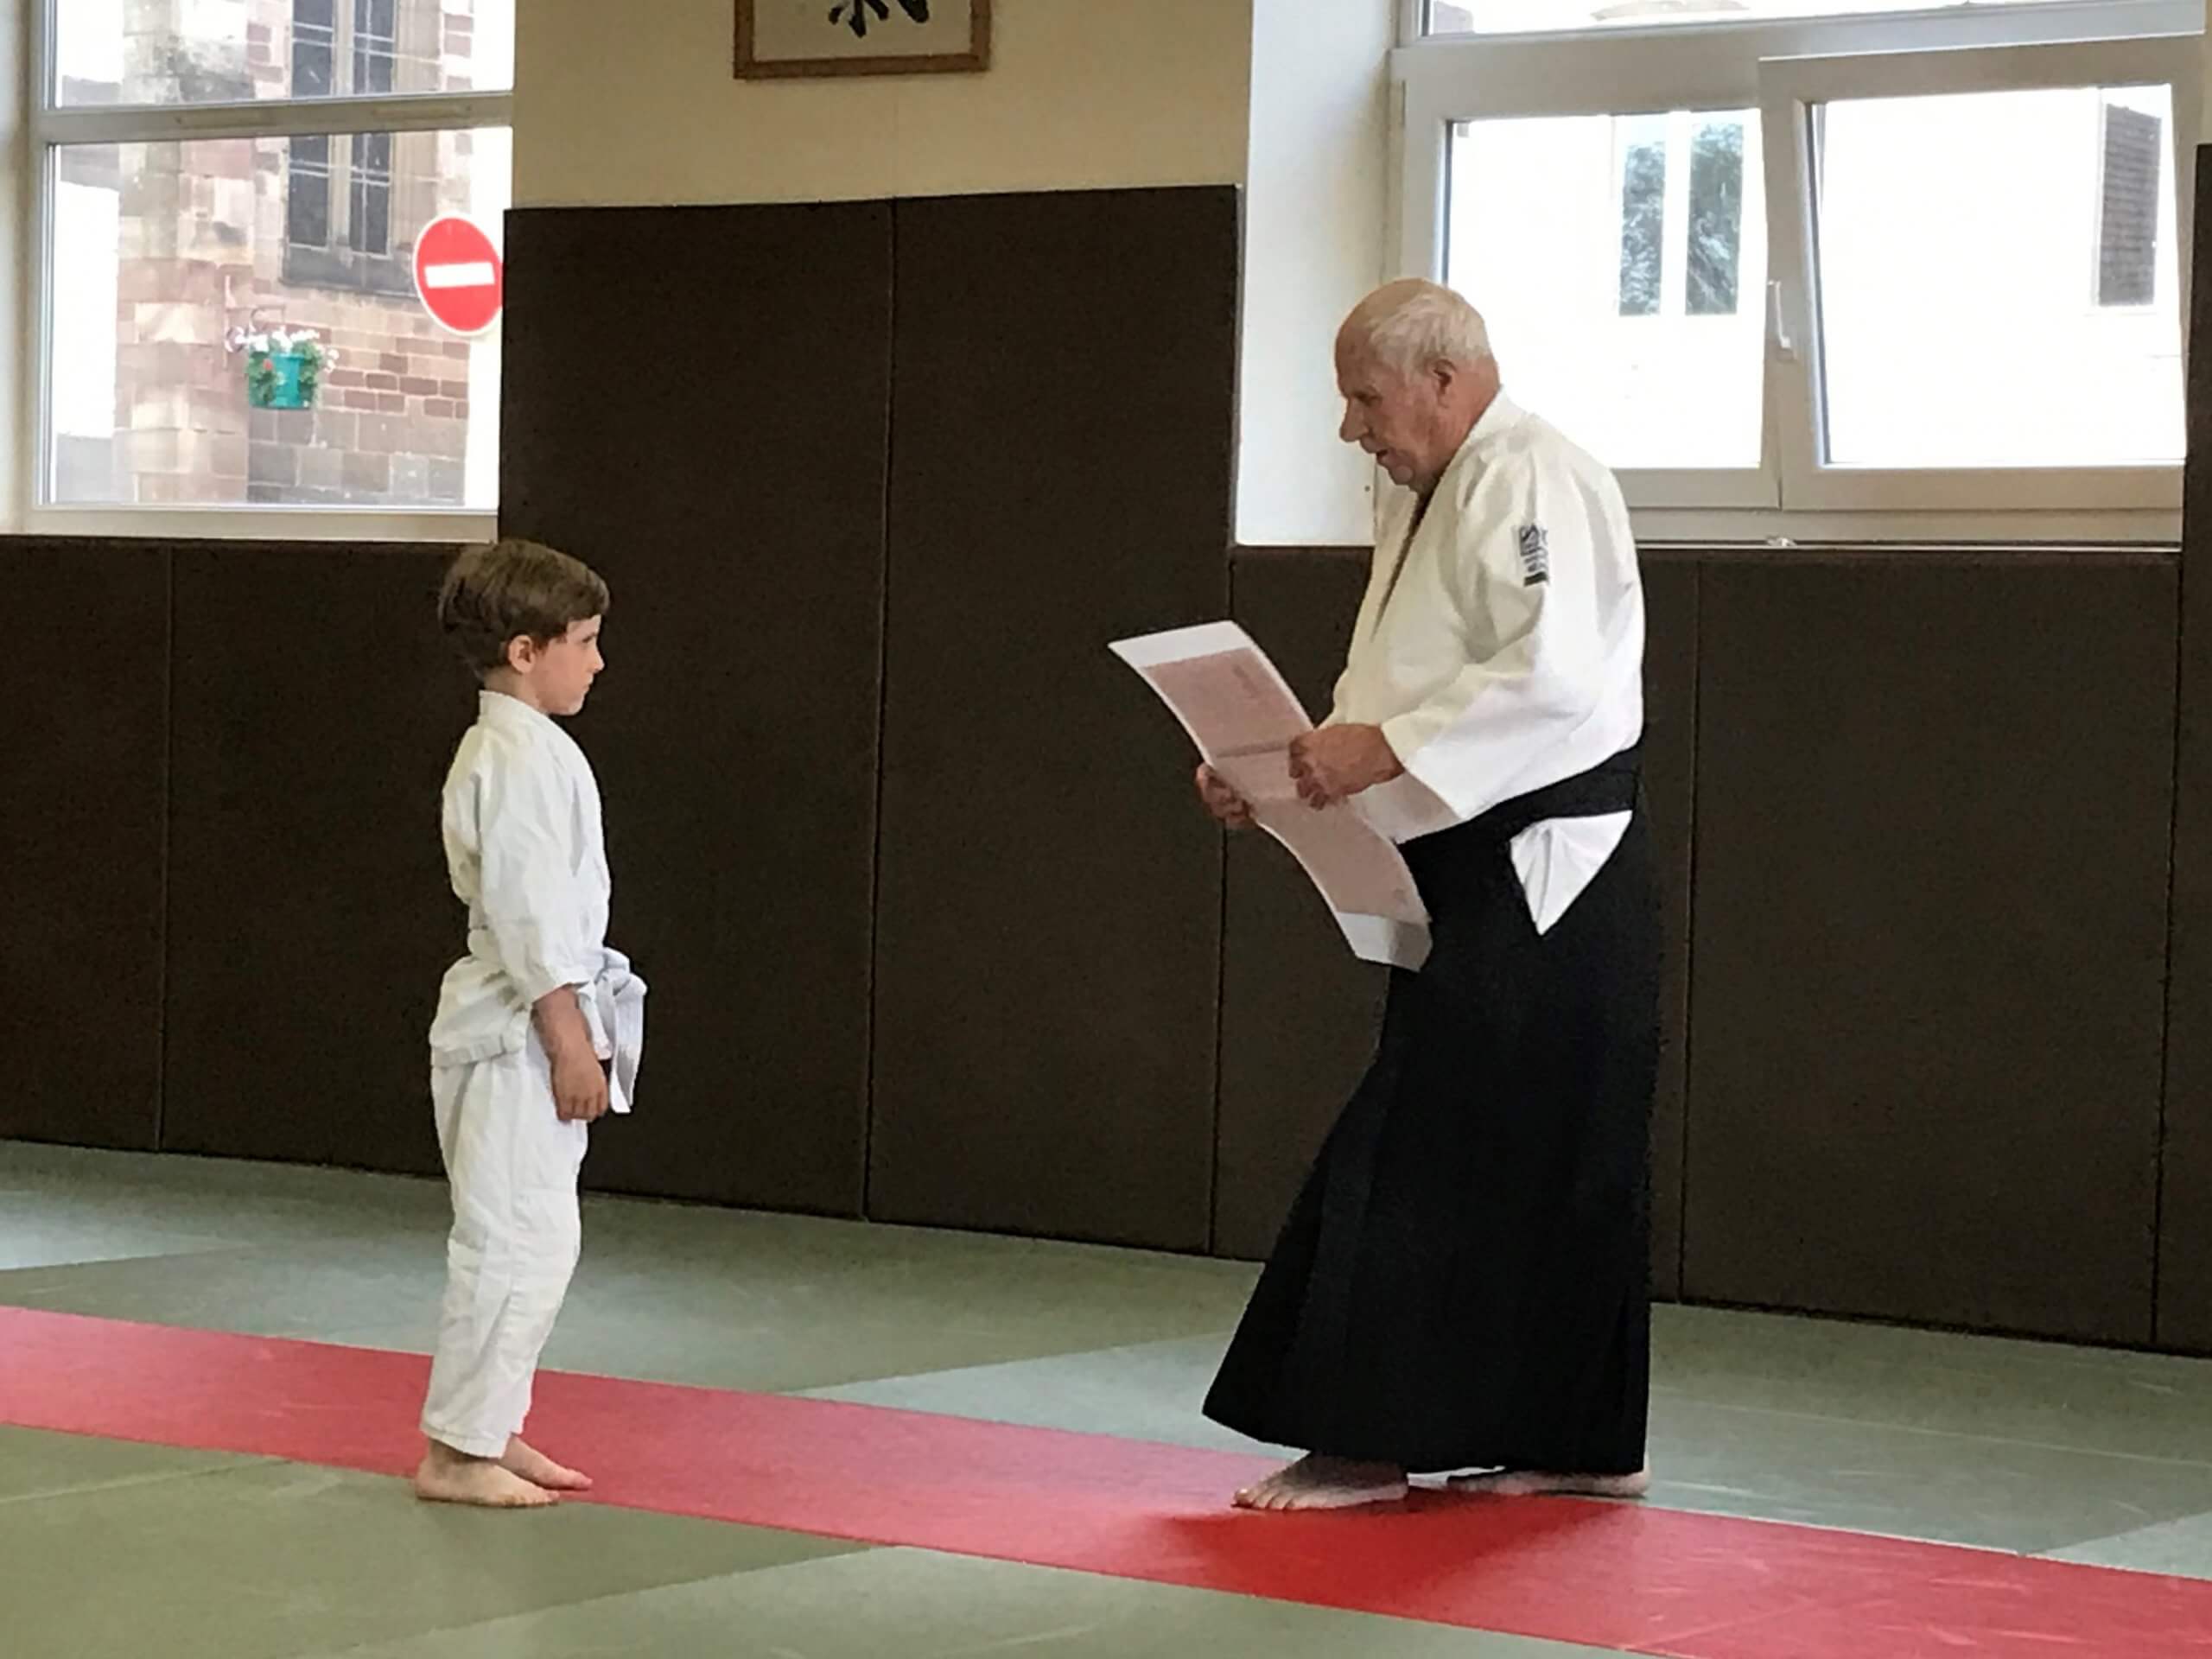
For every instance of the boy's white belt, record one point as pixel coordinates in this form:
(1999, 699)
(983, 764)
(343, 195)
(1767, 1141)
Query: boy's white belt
(613, 1007)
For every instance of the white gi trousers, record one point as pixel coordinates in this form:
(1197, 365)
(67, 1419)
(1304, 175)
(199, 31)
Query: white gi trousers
(516, 1231)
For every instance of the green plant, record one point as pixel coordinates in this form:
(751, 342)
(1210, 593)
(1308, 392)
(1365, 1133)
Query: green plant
(262, 377)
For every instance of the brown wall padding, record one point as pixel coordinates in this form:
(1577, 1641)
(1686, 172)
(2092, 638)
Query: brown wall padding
(1298, 1012)
(309, 915)
(1048, 929)
(83, 752)
(1933, 799)
(1670, 596)
(1914, 1015)
(729, 482)
(2186, 1206)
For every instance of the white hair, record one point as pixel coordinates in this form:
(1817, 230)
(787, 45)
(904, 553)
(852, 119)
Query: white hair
(1408, 326)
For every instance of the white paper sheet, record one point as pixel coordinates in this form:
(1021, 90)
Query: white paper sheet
(1243, 717)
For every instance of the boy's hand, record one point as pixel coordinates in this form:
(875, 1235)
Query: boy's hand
(578, 1086)
(579, 1080)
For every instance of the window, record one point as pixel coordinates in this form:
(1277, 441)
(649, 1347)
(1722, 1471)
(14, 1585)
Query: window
(1443, 18)
(1774, 258)
(1632, 331)
(1715, 253)
(2130, 173)
(232, 192)
(337, 210)
(1644, 217)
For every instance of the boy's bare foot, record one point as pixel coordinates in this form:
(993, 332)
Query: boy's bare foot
(1531, 1482)
(445, 1476)
(539, 1469)
(1321, 1483)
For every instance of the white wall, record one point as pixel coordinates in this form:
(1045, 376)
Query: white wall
(1315, 210)
(15, 243)
(633, 101)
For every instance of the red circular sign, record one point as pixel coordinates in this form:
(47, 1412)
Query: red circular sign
(459, 276)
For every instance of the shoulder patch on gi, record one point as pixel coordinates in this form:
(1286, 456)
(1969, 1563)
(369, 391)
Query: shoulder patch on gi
(1536, 556)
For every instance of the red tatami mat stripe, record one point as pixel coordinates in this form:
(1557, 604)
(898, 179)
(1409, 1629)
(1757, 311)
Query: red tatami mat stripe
(1645, 1580)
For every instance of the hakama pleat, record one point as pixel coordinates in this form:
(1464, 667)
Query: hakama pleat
(1463, 1281)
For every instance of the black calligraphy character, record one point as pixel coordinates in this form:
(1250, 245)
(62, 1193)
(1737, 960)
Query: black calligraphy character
(854, 14)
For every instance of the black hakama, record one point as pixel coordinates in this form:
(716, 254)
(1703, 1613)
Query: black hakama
(1463, 1281)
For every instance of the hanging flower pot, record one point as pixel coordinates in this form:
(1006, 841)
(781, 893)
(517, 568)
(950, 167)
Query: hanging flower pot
(284, 370)
(272, 380)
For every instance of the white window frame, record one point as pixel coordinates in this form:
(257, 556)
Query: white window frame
(1775, 68)
(52, 127)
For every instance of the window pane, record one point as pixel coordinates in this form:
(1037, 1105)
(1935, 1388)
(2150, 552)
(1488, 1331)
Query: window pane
(1644, 216)
(314, 49)
(1621, 264)
(1566, 17)
(181, 288)
(1716, 245)
(376, 46)
(234, 51)
(369, 229)
(306, 194)
(2127, 222)
(1962, 243)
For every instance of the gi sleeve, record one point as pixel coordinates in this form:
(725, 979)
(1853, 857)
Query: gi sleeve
(531, 896)
(1523, 575)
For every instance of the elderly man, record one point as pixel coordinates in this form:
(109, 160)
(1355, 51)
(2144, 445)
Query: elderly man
(1463, 1285)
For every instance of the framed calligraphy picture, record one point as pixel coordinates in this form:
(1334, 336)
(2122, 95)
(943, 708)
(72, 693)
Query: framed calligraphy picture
(780, 39)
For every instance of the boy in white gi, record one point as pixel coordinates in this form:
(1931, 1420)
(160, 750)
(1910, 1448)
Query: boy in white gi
(539, 1027)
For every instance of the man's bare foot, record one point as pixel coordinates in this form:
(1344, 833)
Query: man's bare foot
(1532, 1483)
(445, 1476)
(1320, 1482)
(539, 1469)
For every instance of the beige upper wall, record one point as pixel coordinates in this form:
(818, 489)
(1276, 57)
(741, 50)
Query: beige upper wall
(633, 101)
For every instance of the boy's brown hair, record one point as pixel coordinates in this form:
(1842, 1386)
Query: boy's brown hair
(511, 589)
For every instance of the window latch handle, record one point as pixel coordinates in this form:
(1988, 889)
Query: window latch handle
(1777, 323)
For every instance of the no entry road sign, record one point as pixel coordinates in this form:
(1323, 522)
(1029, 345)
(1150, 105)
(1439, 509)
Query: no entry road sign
(459, 274)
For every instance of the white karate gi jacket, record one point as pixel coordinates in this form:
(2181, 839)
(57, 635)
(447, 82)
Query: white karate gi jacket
(1500, 648)
(527, 853)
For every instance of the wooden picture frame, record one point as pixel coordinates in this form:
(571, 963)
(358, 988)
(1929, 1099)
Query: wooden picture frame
(786, 40)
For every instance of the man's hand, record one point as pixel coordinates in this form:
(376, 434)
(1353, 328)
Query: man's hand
(1229, 808)
(579, 1080)
(1336, 762)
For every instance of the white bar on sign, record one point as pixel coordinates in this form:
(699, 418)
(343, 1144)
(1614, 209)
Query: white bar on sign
(478, 275)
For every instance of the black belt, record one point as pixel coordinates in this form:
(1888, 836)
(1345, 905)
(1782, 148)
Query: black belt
(1609, 786)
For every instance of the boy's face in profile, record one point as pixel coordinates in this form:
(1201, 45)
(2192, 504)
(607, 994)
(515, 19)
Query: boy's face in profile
(555, 677)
